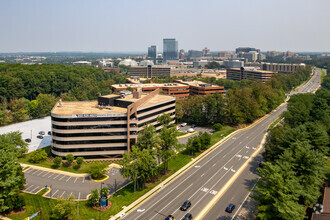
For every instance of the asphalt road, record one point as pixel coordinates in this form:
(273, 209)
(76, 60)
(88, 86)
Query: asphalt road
(202, 181)
(64, 185)
(239, 191)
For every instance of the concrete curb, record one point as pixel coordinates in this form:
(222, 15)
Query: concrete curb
(187, 135)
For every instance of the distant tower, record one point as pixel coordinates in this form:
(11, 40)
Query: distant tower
(206, 52)
(152, 53)
(170, 49)
(181, 54)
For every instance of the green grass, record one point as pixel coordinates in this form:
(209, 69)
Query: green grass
(49, 164)
(322, 74)
(217, 136)
(180, 133)
(271, 126)
(43, 191)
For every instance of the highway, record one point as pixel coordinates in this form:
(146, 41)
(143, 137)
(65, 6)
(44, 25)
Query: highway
(202, 182)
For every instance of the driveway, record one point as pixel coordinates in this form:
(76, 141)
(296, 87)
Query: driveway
(197, 129)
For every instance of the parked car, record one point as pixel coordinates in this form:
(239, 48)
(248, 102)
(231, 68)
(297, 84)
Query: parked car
(230, 208)
(40, 137)
(170, 217)
(190, 130)
(178, 128)
(49, 133)
(188, 216)
(193, 125)
(41, 132)
(28, 140)
(183, 124)
(185, 205)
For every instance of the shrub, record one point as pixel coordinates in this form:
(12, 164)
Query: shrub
(69, 158)
(57, 161)
(63, 209)
(94, 198)
(97, 169)
(76, 166)
(79, 160)
(38, 156)
(104, 192)
(217, 127)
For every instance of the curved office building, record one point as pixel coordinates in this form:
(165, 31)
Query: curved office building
(108, 127)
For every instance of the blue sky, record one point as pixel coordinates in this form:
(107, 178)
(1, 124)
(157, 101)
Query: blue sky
(130, 26)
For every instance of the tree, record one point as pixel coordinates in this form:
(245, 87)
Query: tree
(38, 156)
(79, 160)
(212, 65)
(164, 119)
(63, 209)
(217, 127)
(69, 158)
(20, 109)
(168, 141)
(94, 198)
(148, 138)
(205, 139)
(57, 161)
(97, 169)
(11, 175)
(104, 192)
(13, 140)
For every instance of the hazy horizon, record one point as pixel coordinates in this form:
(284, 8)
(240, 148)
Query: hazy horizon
(103, 26)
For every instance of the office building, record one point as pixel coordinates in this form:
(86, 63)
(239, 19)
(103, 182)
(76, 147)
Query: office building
(177, 90)
(281, 67)
(201, 88)
(128, 62)
(233, 63)
(252, 74)
(206, 52)
(82, 63)
(246, 49)
(273, 53)
(225, 54)
(152, 53)
(181, 54)
(261, 56)
(192, 54)
(288, 54)
(146, 63)
(107, 127)
(170, 49)
(149, 71)
(251, 56)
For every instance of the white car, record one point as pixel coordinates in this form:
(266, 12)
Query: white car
(190, 130)
(183, 124)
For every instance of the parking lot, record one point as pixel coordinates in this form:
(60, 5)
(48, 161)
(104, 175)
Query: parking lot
(30, 129)
(64, 185)
(197, 129)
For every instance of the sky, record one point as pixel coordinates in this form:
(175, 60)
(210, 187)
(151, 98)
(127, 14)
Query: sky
(133, 25)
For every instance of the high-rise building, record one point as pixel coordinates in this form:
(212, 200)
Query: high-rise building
(181, 54)
(273, 53)
(170, 49)
(194, 54)
(206, 52)
(246, 49)
(152, 53)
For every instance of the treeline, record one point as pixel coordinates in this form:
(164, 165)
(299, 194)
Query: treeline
(244, 102)
(294, 171)
(30, 91)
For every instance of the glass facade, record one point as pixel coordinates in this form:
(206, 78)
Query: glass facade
(170, 49)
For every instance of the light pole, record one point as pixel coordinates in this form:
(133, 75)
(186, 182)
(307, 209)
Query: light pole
(100, 200)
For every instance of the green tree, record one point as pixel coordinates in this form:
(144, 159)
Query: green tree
(212, 65)
(168, 142)
(205, 139)
(79, 160)
(104, 192)
(148, 138)
(57, 161)
(63, 209)
(217, 127)
(97, 169)
(20, 109)
(94, 198)
(69, 158)
(164, 119)
(38, 156)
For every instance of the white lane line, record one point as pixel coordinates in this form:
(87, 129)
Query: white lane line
(202, 174)
(68, 179)
(53, 196)
(35, 172)
(243, 201)
(35, 188)
(240, 142)
(40, 173)
(56, 176)
(83, 180)
(247, 151)
(79, 196)
(50, 175)
(75, 180)
(29, 171)
(171, 201)
(45, 174)
(28, 188)
(214, 165)
(61, 177)
(62, 194)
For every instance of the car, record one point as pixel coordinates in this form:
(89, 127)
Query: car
(41, 132)
(190, 130)
(178, 128)
(183, 124)
(185, 205)
(230, 208)
(49, 133)
(40, 137)
(28, 140)
(188, 216)
(193, 126)
(170, 217)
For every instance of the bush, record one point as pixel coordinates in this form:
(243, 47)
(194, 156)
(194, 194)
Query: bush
(76, 166)
(217, 127)
(57, 161)
(38, 156)
(63, 209)
(79, 160)
(205, 139)
(104, 192)
(94, 198)
(69, 158)
(97, 169)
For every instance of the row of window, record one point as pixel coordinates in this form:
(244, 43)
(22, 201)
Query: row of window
(91, 126)
(93, 134)
(90, 142)
(157, 113)
(89, 149)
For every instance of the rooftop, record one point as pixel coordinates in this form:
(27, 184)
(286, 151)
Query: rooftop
(90, 107)
(196, 83)
(148, 85)
(253, 70)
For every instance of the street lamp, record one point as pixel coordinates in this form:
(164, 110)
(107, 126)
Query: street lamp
(100, 200)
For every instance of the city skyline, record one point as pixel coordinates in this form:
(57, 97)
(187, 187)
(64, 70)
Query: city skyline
(104, 26)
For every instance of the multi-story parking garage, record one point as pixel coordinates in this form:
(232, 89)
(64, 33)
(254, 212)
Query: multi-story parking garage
(107, 127)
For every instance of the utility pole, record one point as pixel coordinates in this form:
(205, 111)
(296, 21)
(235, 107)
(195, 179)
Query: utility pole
(100, 200)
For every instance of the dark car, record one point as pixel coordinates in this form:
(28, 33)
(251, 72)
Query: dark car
(49, 133)
(188, 216)
(28, 140)
(170, 217)
(40, 137)
(230, 208)
(185, 205)
(41, 132)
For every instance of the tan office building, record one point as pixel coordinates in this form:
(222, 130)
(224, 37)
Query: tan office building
(241, 73)
(107, 127)
(150, 71)
(201, 88)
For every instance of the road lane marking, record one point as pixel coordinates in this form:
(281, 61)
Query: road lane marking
(205, 189)
(29, 171)
(62, 194)
(83, 179)
(213, 192)
(75, 180)
(45, 174)
(56, 176)
(40, 173)
(172, 200)
(68, 179)
(28, 188)
(61, 177)
(35, 188)
(50, 175)
(79, 196)
(35, 172)
(53, 196)
(214, 165)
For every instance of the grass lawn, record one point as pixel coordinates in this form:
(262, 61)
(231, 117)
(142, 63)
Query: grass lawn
(322, 74)
(48, 163)
(271, 126)
(180, 133)
(218, 135)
